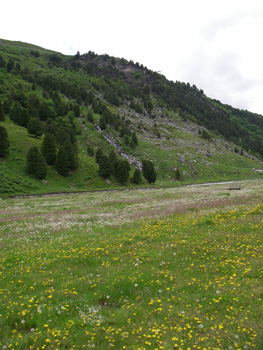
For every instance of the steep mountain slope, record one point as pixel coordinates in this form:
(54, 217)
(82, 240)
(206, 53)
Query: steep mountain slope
(109, 103)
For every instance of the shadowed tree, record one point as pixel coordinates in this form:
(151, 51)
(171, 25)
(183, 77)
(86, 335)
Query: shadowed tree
(4, 142)
(72, 153)
(15, 112)
(32, 103)
(112, 158)
(104, 167)
(2, 114)
(24, 118)
(34, 127)
(102, 123)
(177, 175)
(98, 155)
(134, 138)
(10, 65)
(48, 149)
(136, 178)
(121, 170)
(90, 151)
(90, 116)
(35, 163)
(76, 110)
(2, 62)
(45, 111)
(149, 171)
(50, 127)
(7, 105)
(62, 165)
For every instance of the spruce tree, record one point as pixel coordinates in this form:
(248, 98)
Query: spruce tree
(122, 171)
(90, 116)
(72, 153)
(7, 105)
(62, 165)
(126, 140)
(134, 138)
(115, 167)
(48, 149)
(61, 135)
(76, 110)
(112, 156)
(24, 118)
(10, 65)
(4, 142)
(50, 127)
(35, 163)
(34, 127)
(98, 155)
(2, 114)
(16, 112)
(90, 151)
(105, 167)
(177, 175)
(102, 123)
(149, 171)
(136, 179)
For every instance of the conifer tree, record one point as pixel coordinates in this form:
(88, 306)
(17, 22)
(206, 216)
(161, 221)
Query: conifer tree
(24, 118)
(90, 117)
(112, 157)
(104, 167)
(2, 114)
(90, 151)
(4, 142)
(177, 175)
(7, 105)
(48, 149)
(76, 110)
(72, 154)
(134, 138)
(62, 165)
(34, 127)
(126, 140)
(15, 112)
(115, 166)
(35, 163)
(149, 171)
(102, 123)
(98, 155)
(136, 179)
(122, 170)
(10, 65)
(61, 135)
(50, 127)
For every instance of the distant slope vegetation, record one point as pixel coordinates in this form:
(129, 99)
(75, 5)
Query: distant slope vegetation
(79, 108)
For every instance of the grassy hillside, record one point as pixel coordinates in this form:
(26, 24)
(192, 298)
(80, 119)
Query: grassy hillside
(176, 125)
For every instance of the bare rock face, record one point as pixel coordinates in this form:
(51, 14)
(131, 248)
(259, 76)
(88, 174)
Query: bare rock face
(132, 160)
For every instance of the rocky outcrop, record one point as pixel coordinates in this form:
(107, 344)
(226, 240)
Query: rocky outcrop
(132, 160)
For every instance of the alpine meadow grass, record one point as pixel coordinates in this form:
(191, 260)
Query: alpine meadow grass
(177, 268)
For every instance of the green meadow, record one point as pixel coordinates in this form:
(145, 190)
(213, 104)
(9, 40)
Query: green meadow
(172, 268)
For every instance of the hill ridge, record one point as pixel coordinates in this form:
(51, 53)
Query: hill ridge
(172, 124)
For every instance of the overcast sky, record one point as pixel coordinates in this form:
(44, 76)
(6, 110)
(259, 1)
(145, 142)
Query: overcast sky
(214, 44)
